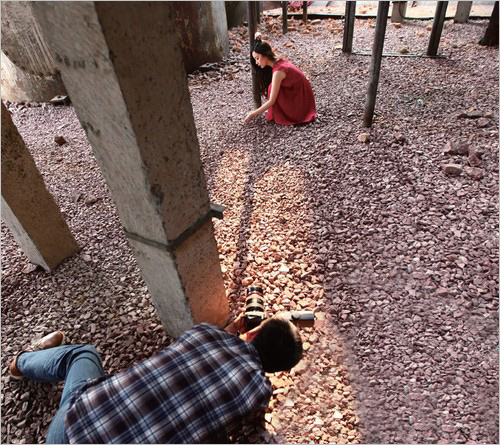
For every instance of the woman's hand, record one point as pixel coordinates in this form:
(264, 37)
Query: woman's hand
(258, 36)
(249, 117)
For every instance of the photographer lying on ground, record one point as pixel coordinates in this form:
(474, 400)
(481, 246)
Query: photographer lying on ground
(192, 392)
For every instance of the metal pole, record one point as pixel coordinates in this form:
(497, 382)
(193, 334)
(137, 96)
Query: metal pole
(437, 28)
(350, 11)
(304, 12)
(284, 14)
(252, 29)
(378, 48)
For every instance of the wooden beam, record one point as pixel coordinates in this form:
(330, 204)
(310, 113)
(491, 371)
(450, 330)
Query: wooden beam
(378, 48)
(284, 15)
(304, 12)
(350, 12)
(437, 28)
(252, 29)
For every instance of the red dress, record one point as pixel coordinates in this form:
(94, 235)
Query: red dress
(295, 101)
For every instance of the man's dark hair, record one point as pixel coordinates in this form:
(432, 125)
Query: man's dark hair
(279, 345)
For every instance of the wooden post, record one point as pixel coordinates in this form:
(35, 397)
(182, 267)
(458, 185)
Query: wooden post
(252, 29)
(304, 12)
(258, 10)
(378, 47)
(437, 28)
(284, 14)
(463, 12)
(490, 37)
(350, 11)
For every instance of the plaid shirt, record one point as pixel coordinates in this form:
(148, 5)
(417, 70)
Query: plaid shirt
(200, 386)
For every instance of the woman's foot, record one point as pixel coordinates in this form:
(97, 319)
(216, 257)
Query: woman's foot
(52, 340)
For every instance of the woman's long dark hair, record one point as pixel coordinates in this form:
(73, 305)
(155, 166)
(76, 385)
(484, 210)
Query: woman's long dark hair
(264, 75)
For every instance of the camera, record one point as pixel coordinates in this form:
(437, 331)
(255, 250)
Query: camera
(254, 307)
(255, 312)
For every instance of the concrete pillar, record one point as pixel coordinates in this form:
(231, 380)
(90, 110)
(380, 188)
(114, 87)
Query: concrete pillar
(236, 13)
(398, 12)
(28, 209)
(202, 30)
(29, 73)
(463, 12)
(122, 65)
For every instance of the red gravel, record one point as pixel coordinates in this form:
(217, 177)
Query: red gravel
(401, 257)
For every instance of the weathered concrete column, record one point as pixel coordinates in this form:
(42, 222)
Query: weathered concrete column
(463, 12)
(398, 12)
(236, 13)
(29, 73)
(202, 30)
(28, 209)
(123, 68)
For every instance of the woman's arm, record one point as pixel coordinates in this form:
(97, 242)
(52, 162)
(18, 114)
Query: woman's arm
(278, 77)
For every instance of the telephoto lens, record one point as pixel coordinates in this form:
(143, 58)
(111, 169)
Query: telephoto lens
(254, 307)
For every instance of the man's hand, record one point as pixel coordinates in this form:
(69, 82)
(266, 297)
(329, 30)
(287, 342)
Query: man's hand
(248, 336)
(238, 325)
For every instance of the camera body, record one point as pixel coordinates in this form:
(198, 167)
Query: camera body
(255, 312)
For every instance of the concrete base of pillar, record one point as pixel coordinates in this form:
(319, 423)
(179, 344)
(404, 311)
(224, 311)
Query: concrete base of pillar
(21, 86)
(236, 13)
(398, 12)
(202, 30)
(463, 12)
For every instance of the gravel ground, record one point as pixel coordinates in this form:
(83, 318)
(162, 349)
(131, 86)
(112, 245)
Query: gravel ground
(399, 256)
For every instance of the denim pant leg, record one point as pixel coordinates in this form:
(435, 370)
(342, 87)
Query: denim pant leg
(74, 364)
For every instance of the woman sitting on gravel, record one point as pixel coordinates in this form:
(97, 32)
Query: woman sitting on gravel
(290, 96)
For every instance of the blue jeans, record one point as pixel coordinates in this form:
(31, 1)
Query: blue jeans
(73, 364)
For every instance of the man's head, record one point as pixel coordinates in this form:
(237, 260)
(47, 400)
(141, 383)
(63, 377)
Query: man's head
(278, 343)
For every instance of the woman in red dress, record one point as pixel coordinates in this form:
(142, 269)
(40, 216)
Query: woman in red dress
(290, 96)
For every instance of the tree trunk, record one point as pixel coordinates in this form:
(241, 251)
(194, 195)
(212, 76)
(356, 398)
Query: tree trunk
(490, 37)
